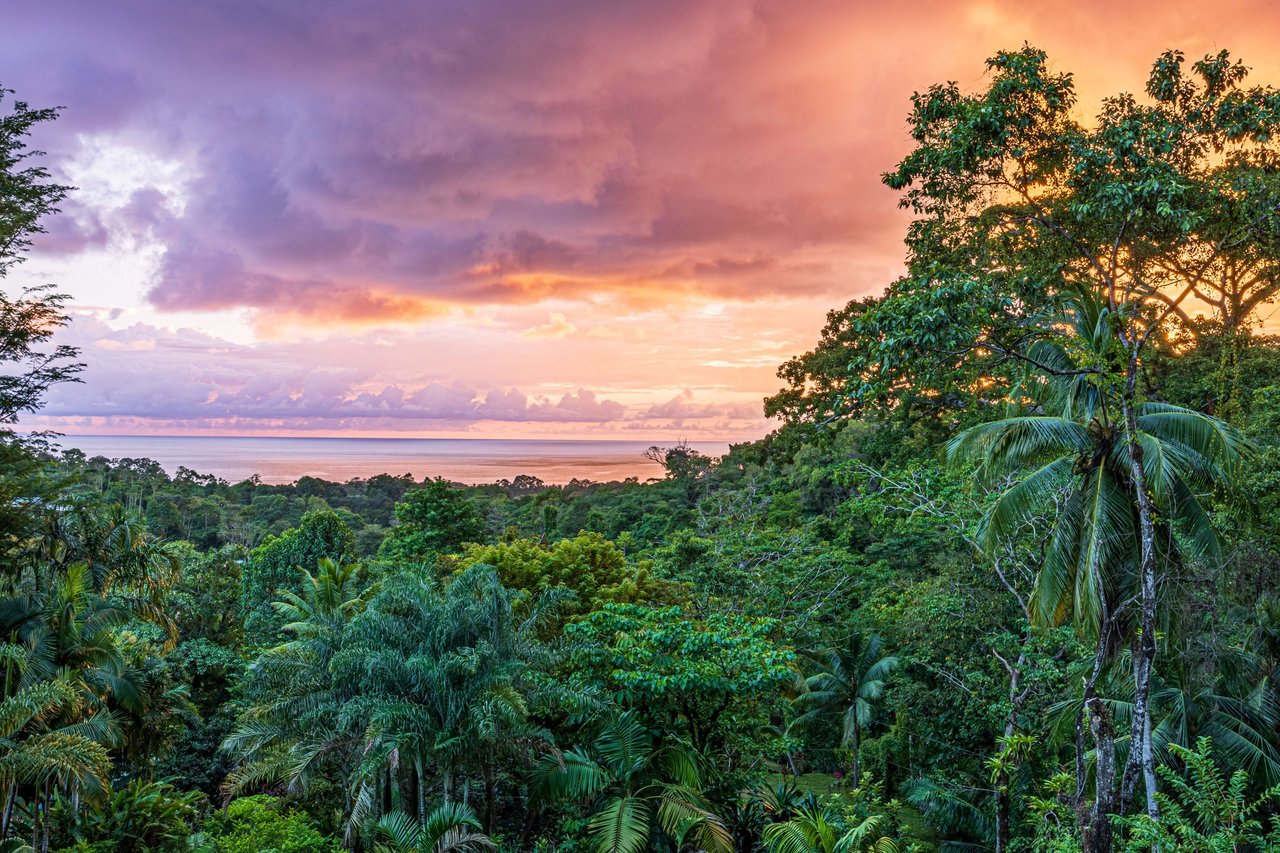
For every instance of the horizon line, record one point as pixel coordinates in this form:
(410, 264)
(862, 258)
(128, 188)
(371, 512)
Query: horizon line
(57, 435)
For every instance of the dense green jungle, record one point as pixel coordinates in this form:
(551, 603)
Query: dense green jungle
(1003, 578)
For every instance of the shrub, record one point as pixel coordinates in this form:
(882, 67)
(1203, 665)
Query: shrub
(1207, 811)
(263, 824)
(142, 817)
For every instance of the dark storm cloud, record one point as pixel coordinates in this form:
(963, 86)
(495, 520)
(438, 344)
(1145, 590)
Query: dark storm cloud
(411, 154)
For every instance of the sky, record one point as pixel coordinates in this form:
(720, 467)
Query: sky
(533, 218)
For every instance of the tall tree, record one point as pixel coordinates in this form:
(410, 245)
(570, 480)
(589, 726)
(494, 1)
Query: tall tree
(388, 692)
(1019, 204)
(275, 564)
(1072, 447)
(29, 318)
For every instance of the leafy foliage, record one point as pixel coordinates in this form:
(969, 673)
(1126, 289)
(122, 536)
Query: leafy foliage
(700, 672)
(274, 564)
(1205, 811)
(142, 817)
(28, 320)
(641, 787)
(430, 521)
(593, 568)
(263, 824)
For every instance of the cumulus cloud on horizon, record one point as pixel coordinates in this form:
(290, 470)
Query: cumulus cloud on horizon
(143, 374)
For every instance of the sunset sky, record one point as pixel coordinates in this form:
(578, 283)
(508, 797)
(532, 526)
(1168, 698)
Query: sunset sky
(536, 218)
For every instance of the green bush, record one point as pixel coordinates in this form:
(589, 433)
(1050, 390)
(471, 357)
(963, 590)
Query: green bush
(1205, 811)
(263, 824)
(142, 817)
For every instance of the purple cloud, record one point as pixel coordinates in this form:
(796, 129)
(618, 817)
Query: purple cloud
(148, 373)
(408, 155)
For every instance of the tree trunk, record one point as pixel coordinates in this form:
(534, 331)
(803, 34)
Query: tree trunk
(1002, 812)
(1097, 836)
(1016, 698)
(1095, 821)
(1226, 403)
(490, 797)
(6, 818)
(421, 792)
(42, 799)
(1141, 752)
(856, 769)
(48, 824)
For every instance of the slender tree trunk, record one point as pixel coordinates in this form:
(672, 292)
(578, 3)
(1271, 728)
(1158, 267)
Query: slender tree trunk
(1002, 812)
(856, 769)
(490, 796)
(1226, 402)
(1141, 752)
(10, 790)
(422, 791)
(1016, 698)
(40, 819)
(44, 816)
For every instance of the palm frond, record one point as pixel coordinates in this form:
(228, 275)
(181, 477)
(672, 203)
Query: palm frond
(1204, 435)
(683, 813)
(789, 837)
(1023, 500)
(621, 826)
(1007, 445)
(566, 775)
(624, 743)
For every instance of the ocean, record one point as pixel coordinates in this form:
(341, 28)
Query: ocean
(463, 460)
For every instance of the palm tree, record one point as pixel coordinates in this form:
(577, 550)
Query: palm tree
(638, 786)
(814, 829)
(444, 672)
(291, 732)
(450, 828)
(1079, 454)
(849, 682)
(37, 755)
(122, 559)
(329, 599)
(965, 816)
(66, 681)
(1109, 463)
(380, 693)
(151, 725)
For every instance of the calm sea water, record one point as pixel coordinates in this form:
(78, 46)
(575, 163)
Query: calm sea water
(464, 460)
